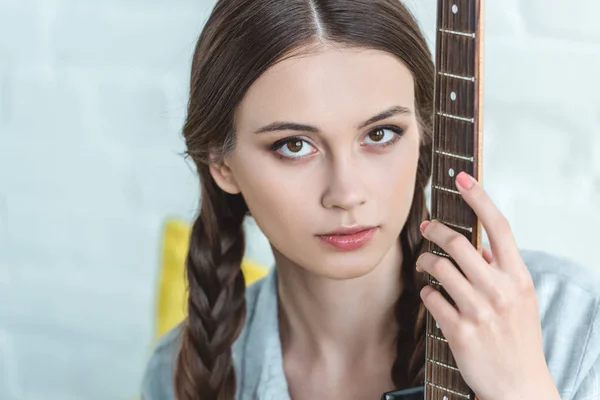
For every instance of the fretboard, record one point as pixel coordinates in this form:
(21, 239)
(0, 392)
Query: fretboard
(457, 147)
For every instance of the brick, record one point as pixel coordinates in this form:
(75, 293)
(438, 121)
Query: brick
(503, 19)
(20, 21)
(421, 9)
(3, 99)
(161, 180)
(133, 115)
(548, 213)
(114, 34)
(5, 273)
(10, 387)
(63, 365)
(522, 139)
(527, 70)
(59, 234)
(64, 303)
(44, 101)
(571, 20)
(595, 172)
(92, 100)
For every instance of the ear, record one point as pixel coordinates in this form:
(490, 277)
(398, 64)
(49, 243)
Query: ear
(223, 176)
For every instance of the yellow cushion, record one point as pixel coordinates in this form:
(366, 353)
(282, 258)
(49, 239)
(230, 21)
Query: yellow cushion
(172, 296)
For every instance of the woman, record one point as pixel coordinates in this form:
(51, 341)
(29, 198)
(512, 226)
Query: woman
(315, 117)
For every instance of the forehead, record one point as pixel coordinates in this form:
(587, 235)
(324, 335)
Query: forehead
(327, 86)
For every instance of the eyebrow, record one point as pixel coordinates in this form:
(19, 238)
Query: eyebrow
(291, 126)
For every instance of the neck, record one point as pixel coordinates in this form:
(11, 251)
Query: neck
(344, 320)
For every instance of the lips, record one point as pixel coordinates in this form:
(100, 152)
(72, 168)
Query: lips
(350, 238)
(348, 230)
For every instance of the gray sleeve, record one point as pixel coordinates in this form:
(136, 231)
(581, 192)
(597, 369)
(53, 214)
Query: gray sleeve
(589, 389)
(157, 383)
(589, 386)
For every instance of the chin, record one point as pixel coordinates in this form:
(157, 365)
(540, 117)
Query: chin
(349, 265)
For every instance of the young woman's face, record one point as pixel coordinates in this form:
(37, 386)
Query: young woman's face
(327, 141)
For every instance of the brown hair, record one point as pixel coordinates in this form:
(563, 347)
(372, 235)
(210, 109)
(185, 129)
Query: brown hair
(240, 41)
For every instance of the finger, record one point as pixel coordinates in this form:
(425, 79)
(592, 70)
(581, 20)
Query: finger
(461, 250)
(502, 242)
(455, 284)
(487, 255)
(444, 313)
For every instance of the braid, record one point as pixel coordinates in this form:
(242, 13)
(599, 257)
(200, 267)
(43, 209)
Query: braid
(216, 302)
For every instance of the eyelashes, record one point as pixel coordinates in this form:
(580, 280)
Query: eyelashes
(292, 148)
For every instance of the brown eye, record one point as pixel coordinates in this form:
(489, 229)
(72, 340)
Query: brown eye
(377, 136)
(295, 146)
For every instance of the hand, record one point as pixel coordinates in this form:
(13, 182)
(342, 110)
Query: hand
(494, 332)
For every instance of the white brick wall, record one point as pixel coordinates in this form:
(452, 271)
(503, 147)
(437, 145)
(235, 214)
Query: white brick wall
(92, 96)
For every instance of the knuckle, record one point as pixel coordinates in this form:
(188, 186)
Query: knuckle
(439, 265)
(524, 284)
(456, 242)
(481, 316)
(501, 301)
(463, 335)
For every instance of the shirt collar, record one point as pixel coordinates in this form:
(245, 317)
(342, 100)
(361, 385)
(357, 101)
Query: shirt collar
(263, 377)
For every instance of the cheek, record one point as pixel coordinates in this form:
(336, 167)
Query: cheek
(274, 199)
(396, 186)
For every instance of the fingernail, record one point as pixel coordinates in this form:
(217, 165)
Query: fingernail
(424, 225)
(465, 181)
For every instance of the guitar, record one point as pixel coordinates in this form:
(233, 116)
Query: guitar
(457, 146)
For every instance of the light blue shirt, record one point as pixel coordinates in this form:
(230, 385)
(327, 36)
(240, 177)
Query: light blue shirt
(569, 298)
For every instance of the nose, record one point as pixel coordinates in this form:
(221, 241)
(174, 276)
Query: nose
(345, 189)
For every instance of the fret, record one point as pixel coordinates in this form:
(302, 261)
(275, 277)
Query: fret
(441, 339)
(450, 375)
(454, 136)
(436, 187)
(434, 282)
(439, 350)
(453, 210)
(433, 323)
(465, 78)
(446, 168)
(441, 364)
(467, 34)
(440, 253)
(465, 158)
(456, 148)
(461, 20)
(459, 227)
(456, 97)
(457, 44)
(445, 389)
(441, 114)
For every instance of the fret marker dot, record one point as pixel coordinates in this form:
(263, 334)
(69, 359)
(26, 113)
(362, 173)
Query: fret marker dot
(453, 96)
(451, 173)
(445, 397)
(437, 325)
(454, 8)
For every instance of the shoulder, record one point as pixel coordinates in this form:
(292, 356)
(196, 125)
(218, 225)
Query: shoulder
(157, 382)
(547, 268)
(569, 298)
